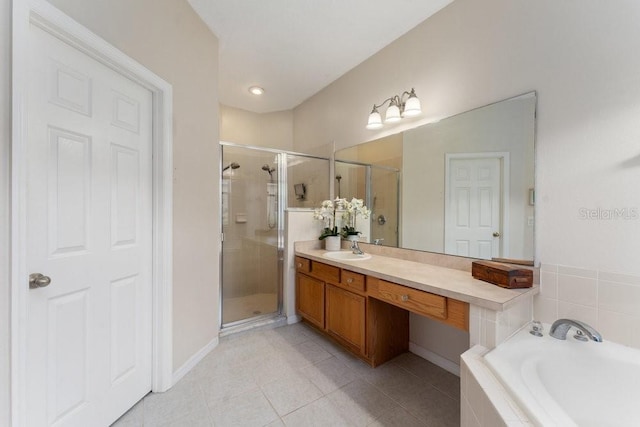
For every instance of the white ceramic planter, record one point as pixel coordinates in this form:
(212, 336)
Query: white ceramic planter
(332, 243)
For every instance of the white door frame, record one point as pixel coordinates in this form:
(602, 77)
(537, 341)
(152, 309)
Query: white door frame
(505, 196)
(53, 21)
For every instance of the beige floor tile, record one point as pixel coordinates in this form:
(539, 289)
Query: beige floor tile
(311, 352)
(361, 403)
(399, 384)
(255, 377)
(249, 409)
(193, 419)
(181, 400)
(320, 413)
(291, 392)
(329, 375)
(361, 368)
(441, 379)
(288, 335)
(276, 423)
(227, 385)
(397, 417)
(434, 408)
(134, 417)
(272, 368)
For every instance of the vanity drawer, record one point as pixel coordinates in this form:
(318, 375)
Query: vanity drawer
(303, 265)
(325, 272)
(352, 280)
(419, 302)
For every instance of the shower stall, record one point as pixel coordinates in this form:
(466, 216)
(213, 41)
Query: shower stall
(257, 185)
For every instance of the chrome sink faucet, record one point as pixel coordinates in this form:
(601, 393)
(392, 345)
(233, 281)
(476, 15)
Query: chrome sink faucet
(560, 328)
(355, 248)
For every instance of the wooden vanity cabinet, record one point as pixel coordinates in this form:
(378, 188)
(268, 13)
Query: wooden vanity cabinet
(310, 299)
(345, 314)
(446, 310)
(367, 315)
(311, 280)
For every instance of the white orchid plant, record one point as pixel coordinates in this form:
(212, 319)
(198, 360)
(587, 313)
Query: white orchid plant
(353, 209)
(330, 211)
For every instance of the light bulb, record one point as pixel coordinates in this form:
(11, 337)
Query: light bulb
(393, 113)
(375, 120)
(256, 90)
(412, 106)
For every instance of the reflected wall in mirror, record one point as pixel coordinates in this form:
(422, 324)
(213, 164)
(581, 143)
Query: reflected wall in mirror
(465, 183)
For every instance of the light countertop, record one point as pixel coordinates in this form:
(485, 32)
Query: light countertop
(438, 280)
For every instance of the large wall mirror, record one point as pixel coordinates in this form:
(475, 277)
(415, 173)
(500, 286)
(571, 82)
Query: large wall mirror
(462, 186)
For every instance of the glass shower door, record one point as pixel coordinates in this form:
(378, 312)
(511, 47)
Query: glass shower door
(379, 187)
(251, 266)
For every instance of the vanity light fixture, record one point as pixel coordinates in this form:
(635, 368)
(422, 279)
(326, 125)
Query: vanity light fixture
(397, 110)
(256, 90)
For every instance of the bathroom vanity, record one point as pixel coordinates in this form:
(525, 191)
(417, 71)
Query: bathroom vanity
(364, 305)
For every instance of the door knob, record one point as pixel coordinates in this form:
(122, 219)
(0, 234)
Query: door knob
(37, 280)
(496, 234)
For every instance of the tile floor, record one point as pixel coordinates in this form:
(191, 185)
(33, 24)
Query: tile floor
(293, 376)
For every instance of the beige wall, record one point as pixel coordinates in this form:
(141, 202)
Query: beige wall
(581, 59)
(168, 37)
(272, 130)
(5, 140)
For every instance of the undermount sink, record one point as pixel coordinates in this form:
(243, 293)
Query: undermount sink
(345, 256)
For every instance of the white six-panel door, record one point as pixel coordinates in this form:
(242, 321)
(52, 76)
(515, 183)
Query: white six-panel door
(472, 207)
(89, 228)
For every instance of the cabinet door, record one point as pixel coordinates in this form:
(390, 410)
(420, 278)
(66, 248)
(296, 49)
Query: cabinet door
(345, 317)
(310, 299)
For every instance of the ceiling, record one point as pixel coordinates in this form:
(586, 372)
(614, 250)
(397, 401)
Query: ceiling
(295, 48)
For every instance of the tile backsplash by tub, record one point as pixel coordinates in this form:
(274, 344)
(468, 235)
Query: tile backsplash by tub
(489, 328)
(610, 302)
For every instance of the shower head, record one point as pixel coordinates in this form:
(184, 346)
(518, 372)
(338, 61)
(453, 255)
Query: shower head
(268, 170)
(232, 165)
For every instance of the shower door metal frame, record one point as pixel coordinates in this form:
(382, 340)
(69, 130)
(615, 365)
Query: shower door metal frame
(282, 196)
(282, 200)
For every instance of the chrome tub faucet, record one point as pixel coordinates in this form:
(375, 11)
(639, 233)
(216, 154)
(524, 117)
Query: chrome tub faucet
(560, 328)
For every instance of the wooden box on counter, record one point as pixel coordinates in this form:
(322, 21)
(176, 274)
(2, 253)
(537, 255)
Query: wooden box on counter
(502, 275)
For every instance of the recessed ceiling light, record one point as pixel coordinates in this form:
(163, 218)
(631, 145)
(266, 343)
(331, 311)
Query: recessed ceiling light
(256, 90)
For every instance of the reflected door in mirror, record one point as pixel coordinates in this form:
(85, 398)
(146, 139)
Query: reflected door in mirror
(473, 206)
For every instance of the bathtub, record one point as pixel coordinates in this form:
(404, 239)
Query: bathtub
(569, 383)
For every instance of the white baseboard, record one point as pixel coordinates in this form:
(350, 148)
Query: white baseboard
(194, 360)
(293, 319)
(434, 358)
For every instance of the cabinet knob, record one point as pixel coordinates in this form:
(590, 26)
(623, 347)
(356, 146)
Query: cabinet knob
(349, 280)
(299, 265)
(404, 298)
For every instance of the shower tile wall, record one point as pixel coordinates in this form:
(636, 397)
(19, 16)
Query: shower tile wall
(314, 174)
(610, 302)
